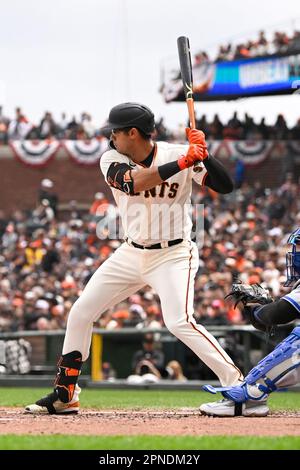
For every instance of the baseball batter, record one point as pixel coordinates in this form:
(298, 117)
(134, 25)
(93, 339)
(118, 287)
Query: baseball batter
(152, 184)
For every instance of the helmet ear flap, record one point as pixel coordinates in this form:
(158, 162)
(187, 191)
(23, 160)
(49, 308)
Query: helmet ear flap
(292, 267)
(293, 259)
(296, 261)
(111, 144)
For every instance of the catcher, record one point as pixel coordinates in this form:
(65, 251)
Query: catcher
(280, 368)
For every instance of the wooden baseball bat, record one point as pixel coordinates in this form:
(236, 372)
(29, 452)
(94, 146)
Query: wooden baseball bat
(184, 54)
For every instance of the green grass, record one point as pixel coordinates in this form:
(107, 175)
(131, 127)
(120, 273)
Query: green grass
(139, 399)
(58, 442)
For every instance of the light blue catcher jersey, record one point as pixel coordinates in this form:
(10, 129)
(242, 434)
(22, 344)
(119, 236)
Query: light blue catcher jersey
(294, 296)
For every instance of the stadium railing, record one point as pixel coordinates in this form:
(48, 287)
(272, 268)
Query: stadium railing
(245, 344)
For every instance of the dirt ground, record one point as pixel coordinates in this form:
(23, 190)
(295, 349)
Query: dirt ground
(184, 421)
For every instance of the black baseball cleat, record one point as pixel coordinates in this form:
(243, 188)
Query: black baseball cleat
(51, 404)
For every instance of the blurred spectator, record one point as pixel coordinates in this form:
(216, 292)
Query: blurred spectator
(161, 131)
(153, 317)
(46, 193)
(118, 319)
(62, 125)
(43, 214)
(149, 359)
(175, 372)
(276, 209)
(72, 129)
(99, 205)
(87, 125)
(216, 128)
(280, 128)
(51, 257)
(19, 127)
(295, 131)
(239, 172)
(108, 373)
(148, 365)
(233, 130)
(4, 122)
(34, 253)
(203, 125)
(215, 314)
(47, 127)
(3, 118)
(137, 316)
(263, 129)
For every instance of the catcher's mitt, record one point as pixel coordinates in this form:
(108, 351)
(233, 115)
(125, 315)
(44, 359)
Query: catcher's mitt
(249, 294)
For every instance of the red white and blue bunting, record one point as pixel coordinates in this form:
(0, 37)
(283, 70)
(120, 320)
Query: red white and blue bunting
(86, 152)
(251, 152)
(36, 153)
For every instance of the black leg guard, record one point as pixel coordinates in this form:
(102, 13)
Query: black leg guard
(69, 367)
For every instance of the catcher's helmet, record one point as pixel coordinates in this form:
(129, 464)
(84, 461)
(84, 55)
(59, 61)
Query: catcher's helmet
(131, 115)
(293, 259)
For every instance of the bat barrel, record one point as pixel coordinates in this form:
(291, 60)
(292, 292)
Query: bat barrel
(185, 61)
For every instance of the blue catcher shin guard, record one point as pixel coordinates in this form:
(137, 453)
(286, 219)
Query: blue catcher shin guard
(277, 370)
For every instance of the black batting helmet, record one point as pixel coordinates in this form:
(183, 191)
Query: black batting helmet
(131, 115)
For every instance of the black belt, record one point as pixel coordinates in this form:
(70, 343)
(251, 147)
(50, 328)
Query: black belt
(156, 246)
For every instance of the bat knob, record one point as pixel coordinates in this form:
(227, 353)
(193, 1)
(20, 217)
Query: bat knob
(197, 167)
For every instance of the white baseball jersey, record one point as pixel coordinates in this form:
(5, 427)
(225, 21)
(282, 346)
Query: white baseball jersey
(294, 297)
(161, 213)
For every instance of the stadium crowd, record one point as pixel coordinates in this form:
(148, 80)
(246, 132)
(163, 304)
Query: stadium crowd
(20, 127)
(281, 43)
(47, 258)
(240, 129)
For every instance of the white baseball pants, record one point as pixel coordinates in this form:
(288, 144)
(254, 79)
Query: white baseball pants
(170, 272)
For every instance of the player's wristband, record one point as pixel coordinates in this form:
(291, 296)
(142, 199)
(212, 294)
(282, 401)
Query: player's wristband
(168, 169)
